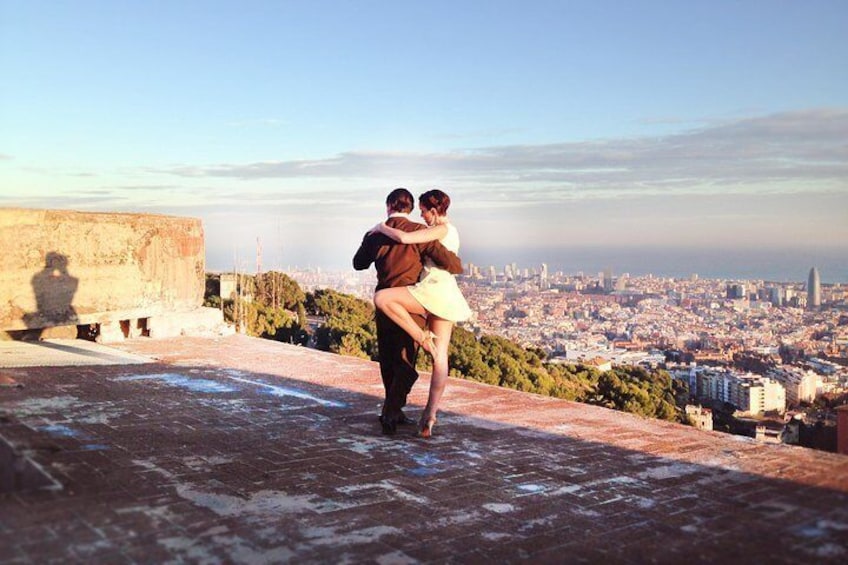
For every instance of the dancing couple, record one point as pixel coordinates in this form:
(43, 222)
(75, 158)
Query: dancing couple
(417, 299)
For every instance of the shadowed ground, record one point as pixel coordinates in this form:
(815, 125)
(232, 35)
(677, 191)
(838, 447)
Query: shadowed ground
(244, 450)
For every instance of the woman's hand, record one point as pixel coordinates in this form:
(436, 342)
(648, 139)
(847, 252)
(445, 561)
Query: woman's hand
(390, 232)
(378, 228)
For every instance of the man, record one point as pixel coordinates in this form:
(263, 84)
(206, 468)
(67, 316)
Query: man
(399, 265)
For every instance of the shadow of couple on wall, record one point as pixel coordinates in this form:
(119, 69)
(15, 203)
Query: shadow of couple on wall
(54, 288)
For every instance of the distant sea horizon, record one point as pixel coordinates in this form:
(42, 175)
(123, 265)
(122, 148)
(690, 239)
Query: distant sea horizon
(774, 265)
(789, 265)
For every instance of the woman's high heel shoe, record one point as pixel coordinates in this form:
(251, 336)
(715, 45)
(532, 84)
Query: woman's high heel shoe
(425, 428)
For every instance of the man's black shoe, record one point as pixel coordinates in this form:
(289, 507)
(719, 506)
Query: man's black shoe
(406, 421)
(403, 420)
(389, 426)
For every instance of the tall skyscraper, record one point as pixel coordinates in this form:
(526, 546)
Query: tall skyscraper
(608, 282)
(775, 295)
(813, 289)
(736, 291)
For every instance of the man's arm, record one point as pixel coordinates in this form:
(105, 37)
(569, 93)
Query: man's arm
(366, 253)
(442, 257)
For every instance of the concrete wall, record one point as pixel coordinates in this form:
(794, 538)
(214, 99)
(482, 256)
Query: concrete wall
(61, 267)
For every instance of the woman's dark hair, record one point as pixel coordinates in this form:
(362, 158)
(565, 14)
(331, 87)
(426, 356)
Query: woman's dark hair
(435, 199)
(400, 200)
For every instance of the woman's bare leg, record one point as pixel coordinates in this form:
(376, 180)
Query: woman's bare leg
(397, 303)
(439, 379)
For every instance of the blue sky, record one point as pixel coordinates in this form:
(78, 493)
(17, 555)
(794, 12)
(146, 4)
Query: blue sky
(554, 124)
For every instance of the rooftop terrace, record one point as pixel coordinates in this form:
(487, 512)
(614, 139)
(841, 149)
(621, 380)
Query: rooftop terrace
(237, 449)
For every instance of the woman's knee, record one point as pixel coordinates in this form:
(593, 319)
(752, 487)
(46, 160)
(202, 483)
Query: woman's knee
(380, 300)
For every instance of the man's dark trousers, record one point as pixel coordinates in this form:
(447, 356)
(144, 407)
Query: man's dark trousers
(398, 352)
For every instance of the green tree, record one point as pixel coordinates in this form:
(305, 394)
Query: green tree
(277, 289)
(272, 306)
(212, 290)
(348, 327)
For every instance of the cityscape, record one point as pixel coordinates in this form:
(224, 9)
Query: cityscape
(767, 348)
(652, 201)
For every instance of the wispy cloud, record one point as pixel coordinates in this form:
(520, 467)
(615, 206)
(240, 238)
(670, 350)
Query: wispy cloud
(80, 202)
(146, 187)
(806, 148)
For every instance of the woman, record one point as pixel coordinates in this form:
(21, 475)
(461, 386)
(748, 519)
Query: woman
(436, 295)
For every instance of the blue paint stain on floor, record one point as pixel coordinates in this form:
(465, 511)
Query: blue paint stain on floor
(424, 471)
(811, 531)
(95, 447)
(532, 489)
(428, 464)
(181, 381)
(275, 390)
(62, 430)
(426, 459)
(210, 386)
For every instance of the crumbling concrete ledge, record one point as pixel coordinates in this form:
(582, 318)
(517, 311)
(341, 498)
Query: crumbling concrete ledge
(129, 274)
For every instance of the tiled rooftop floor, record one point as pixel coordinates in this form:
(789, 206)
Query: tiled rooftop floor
(243, 450)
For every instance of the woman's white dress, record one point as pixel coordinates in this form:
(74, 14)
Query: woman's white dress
(437, 290)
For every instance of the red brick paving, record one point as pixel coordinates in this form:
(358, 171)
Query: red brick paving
(249, 451)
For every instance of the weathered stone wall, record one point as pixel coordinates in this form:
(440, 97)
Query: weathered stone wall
(61, 267)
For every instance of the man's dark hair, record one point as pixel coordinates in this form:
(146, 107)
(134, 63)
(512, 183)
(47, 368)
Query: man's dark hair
(400, 200)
